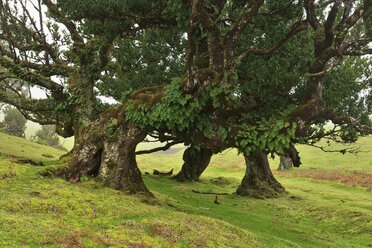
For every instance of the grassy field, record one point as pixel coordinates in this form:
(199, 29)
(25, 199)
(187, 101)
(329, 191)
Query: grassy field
(329, 204)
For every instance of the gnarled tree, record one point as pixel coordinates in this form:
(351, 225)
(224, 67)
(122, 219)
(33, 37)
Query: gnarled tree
(246, 85)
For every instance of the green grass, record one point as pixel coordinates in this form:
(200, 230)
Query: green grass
(50, 212)
(23, 148)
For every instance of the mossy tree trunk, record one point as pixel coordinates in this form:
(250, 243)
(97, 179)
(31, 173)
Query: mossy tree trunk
(258, 180)
(106, 150)
(195, 162)
(84, 111)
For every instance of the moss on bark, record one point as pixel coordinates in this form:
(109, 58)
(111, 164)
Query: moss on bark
(259, 181)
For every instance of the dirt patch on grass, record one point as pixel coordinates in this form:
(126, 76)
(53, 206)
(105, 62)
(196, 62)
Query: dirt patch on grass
(356, 179)
(19, 160)
(72, 240)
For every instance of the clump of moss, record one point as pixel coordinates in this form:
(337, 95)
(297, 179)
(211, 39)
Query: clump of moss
(220, 181)
(147, 97)
(50, 171)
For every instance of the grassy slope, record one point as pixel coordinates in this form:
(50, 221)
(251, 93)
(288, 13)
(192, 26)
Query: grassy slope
(37, 211)
(20, 147)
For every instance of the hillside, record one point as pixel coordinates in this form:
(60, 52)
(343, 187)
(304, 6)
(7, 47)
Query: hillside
(38, 211)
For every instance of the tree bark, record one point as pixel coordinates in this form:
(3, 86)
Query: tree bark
(85, 109)
(106, 150)
(285, 163)
(258, 180)
(195, 162)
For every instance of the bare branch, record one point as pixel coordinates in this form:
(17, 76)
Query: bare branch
(249, 13)
(23, 29)
(296, 28)
(326, 3)
(358, 52)
(28, 76)
(353, 150)
(328, 25)
(348, 121)
(75, 36)
(9, 86)
(311, 15)
(348, 6)
(343, 27)
(157, 149)
(40, 121)
(27, 104)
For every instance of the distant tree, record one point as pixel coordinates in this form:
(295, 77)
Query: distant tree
(12, 115)
(14, 122)
(48, 136)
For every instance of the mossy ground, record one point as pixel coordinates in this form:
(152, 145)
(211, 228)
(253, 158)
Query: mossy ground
(38, 211)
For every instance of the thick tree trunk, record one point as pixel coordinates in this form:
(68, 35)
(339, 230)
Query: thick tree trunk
(106, 150)
(195, 162)
(258, 180)
(285, 163)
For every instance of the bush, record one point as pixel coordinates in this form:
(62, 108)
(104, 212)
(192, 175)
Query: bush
(14, 130)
